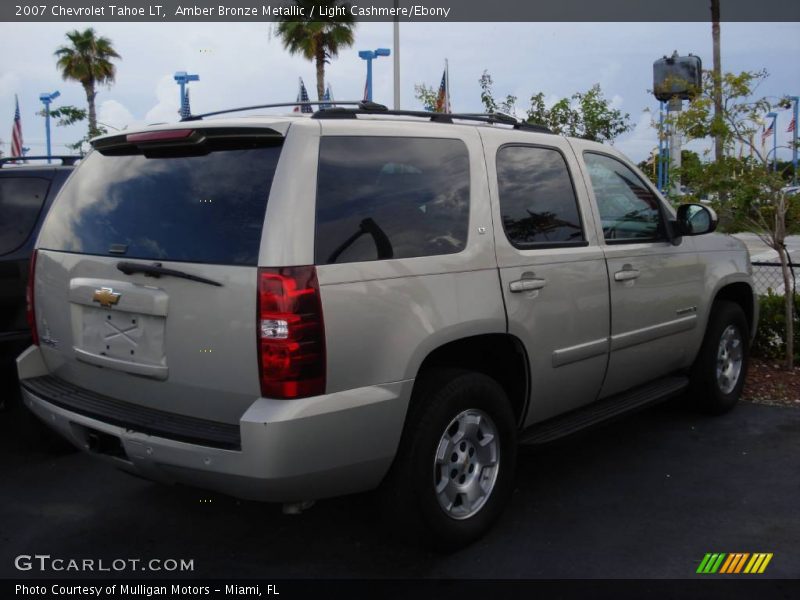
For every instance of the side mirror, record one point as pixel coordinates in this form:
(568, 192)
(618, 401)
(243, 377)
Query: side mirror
(695, 219)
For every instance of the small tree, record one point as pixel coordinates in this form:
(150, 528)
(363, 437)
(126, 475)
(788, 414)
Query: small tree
(69, 115)
(426, 95)
(586, 115)
(507, 106)
(752, 189)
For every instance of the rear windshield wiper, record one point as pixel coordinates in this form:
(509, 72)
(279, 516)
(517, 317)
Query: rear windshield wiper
(156, 270)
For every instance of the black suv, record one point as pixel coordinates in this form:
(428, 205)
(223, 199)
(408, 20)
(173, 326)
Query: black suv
(27, 190)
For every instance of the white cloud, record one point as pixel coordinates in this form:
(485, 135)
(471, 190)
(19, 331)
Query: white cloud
(9, 83)
(168, 102)
(115, 115)
(640, 142)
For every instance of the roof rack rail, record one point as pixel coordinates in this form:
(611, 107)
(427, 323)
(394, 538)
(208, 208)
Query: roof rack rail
(338, 110)
(371, 108)
(66, 160)
(277, 105)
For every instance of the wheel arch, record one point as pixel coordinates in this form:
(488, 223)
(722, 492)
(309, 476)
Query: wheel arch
(739, 292)
(501, 356)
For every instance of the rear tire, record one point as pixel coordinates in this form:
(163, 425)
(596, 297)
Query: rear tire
(720, 369)
(454, 470)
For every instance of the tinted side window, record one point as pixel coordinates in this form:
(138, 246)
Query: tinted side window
(21, 200)
(537, 200)
(629, 211)
(389, 197)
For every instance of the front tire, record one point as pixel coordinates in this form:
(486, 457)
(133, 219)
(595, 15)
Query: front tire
(454, 470)
(719, 372)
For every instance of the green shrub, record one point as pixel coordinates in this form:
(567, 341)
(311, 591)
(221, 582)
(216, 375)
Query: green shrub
(770, 340)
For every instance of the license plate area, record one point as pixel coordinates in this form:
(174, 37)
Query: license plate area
(121, 335)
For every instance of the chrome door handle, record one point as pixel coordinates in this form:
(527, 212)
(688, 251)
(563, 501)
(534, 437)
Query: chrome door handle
(527, 285)
(626, 275)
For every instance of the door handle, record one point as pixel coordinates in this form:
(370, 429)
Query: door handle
(626, 275)
(527, 285)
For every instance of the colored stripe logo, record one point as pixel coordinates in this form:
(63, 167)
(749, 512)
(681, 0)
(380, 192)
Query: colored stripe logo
(734, 563)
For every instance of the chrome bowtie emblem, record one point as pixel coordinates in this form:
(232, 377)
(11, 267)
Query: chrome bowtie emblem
(105, 296)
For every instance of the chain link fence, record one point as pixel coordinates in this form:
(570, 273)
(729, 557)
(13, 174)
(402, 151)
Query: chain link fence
(768, 277)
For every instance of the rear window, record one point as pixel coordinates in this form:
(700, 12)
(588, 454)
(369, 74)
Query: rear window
(388, 197)
(206, 208)
(21, 200)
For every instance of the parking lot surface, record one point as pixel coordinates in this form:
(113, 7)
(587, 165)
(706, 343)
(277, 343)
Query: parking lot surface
(645, 497)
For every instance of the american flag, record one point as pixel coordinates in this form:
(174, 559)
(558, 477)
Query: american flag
(302, 96)
(186, 110)
(767, 132)
(443, 97)
(792, 126)
(16, 132)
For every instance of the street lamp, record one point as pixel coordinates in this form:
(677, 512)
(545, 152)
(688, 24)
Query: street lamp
(663, 150)
(396, 58)
(182, 77)
(46, 100)
(369, 56)
(774, 117)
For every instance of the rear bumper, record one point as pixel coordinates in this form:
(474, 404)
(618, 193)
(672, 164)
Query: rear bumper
(290, 451)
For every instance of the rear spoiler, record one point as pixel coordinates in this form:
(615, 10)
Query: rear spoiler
(202, 140)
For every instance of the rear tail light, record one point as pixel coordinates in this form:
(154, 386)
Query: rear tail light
(30, 312)
(291, 333)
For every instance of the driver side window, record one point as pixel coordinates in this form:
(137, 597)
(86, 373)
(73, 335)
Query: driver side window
(629, 210)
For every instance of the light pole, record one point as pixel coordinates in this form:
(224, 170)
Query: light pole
(182, 77)
(397, 59)
(774, 117)
(46, 100)
(369, 56)
(795, 100)
(662, 150)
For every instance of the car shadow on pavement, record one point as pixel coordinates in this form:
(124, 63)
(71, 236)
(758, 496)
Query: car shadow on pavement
(646, 496)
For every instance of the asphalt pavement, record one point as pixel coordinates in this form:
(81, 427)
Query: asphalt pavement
(645, 497)
(760, 252)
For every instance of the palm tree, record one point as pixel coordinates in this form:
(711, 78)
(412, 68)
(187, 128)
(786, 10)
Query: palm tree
(88, 61)
(318, 40)
(717, 71)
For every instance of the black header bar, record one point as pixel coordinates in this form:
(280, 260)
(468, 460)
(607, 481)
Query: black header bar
(403, 10)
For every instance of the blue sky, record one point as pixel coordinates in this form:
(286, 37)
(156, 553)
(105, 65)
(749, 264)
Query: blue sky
(241, 64)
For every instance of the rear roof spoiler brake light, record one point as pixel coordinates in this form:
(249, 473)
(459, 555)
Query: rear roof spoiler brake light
(164, 135)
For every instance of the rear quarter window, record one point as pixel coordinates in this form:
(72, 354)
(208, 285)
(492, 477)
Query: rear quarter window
(21, 200)
(387, 197)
